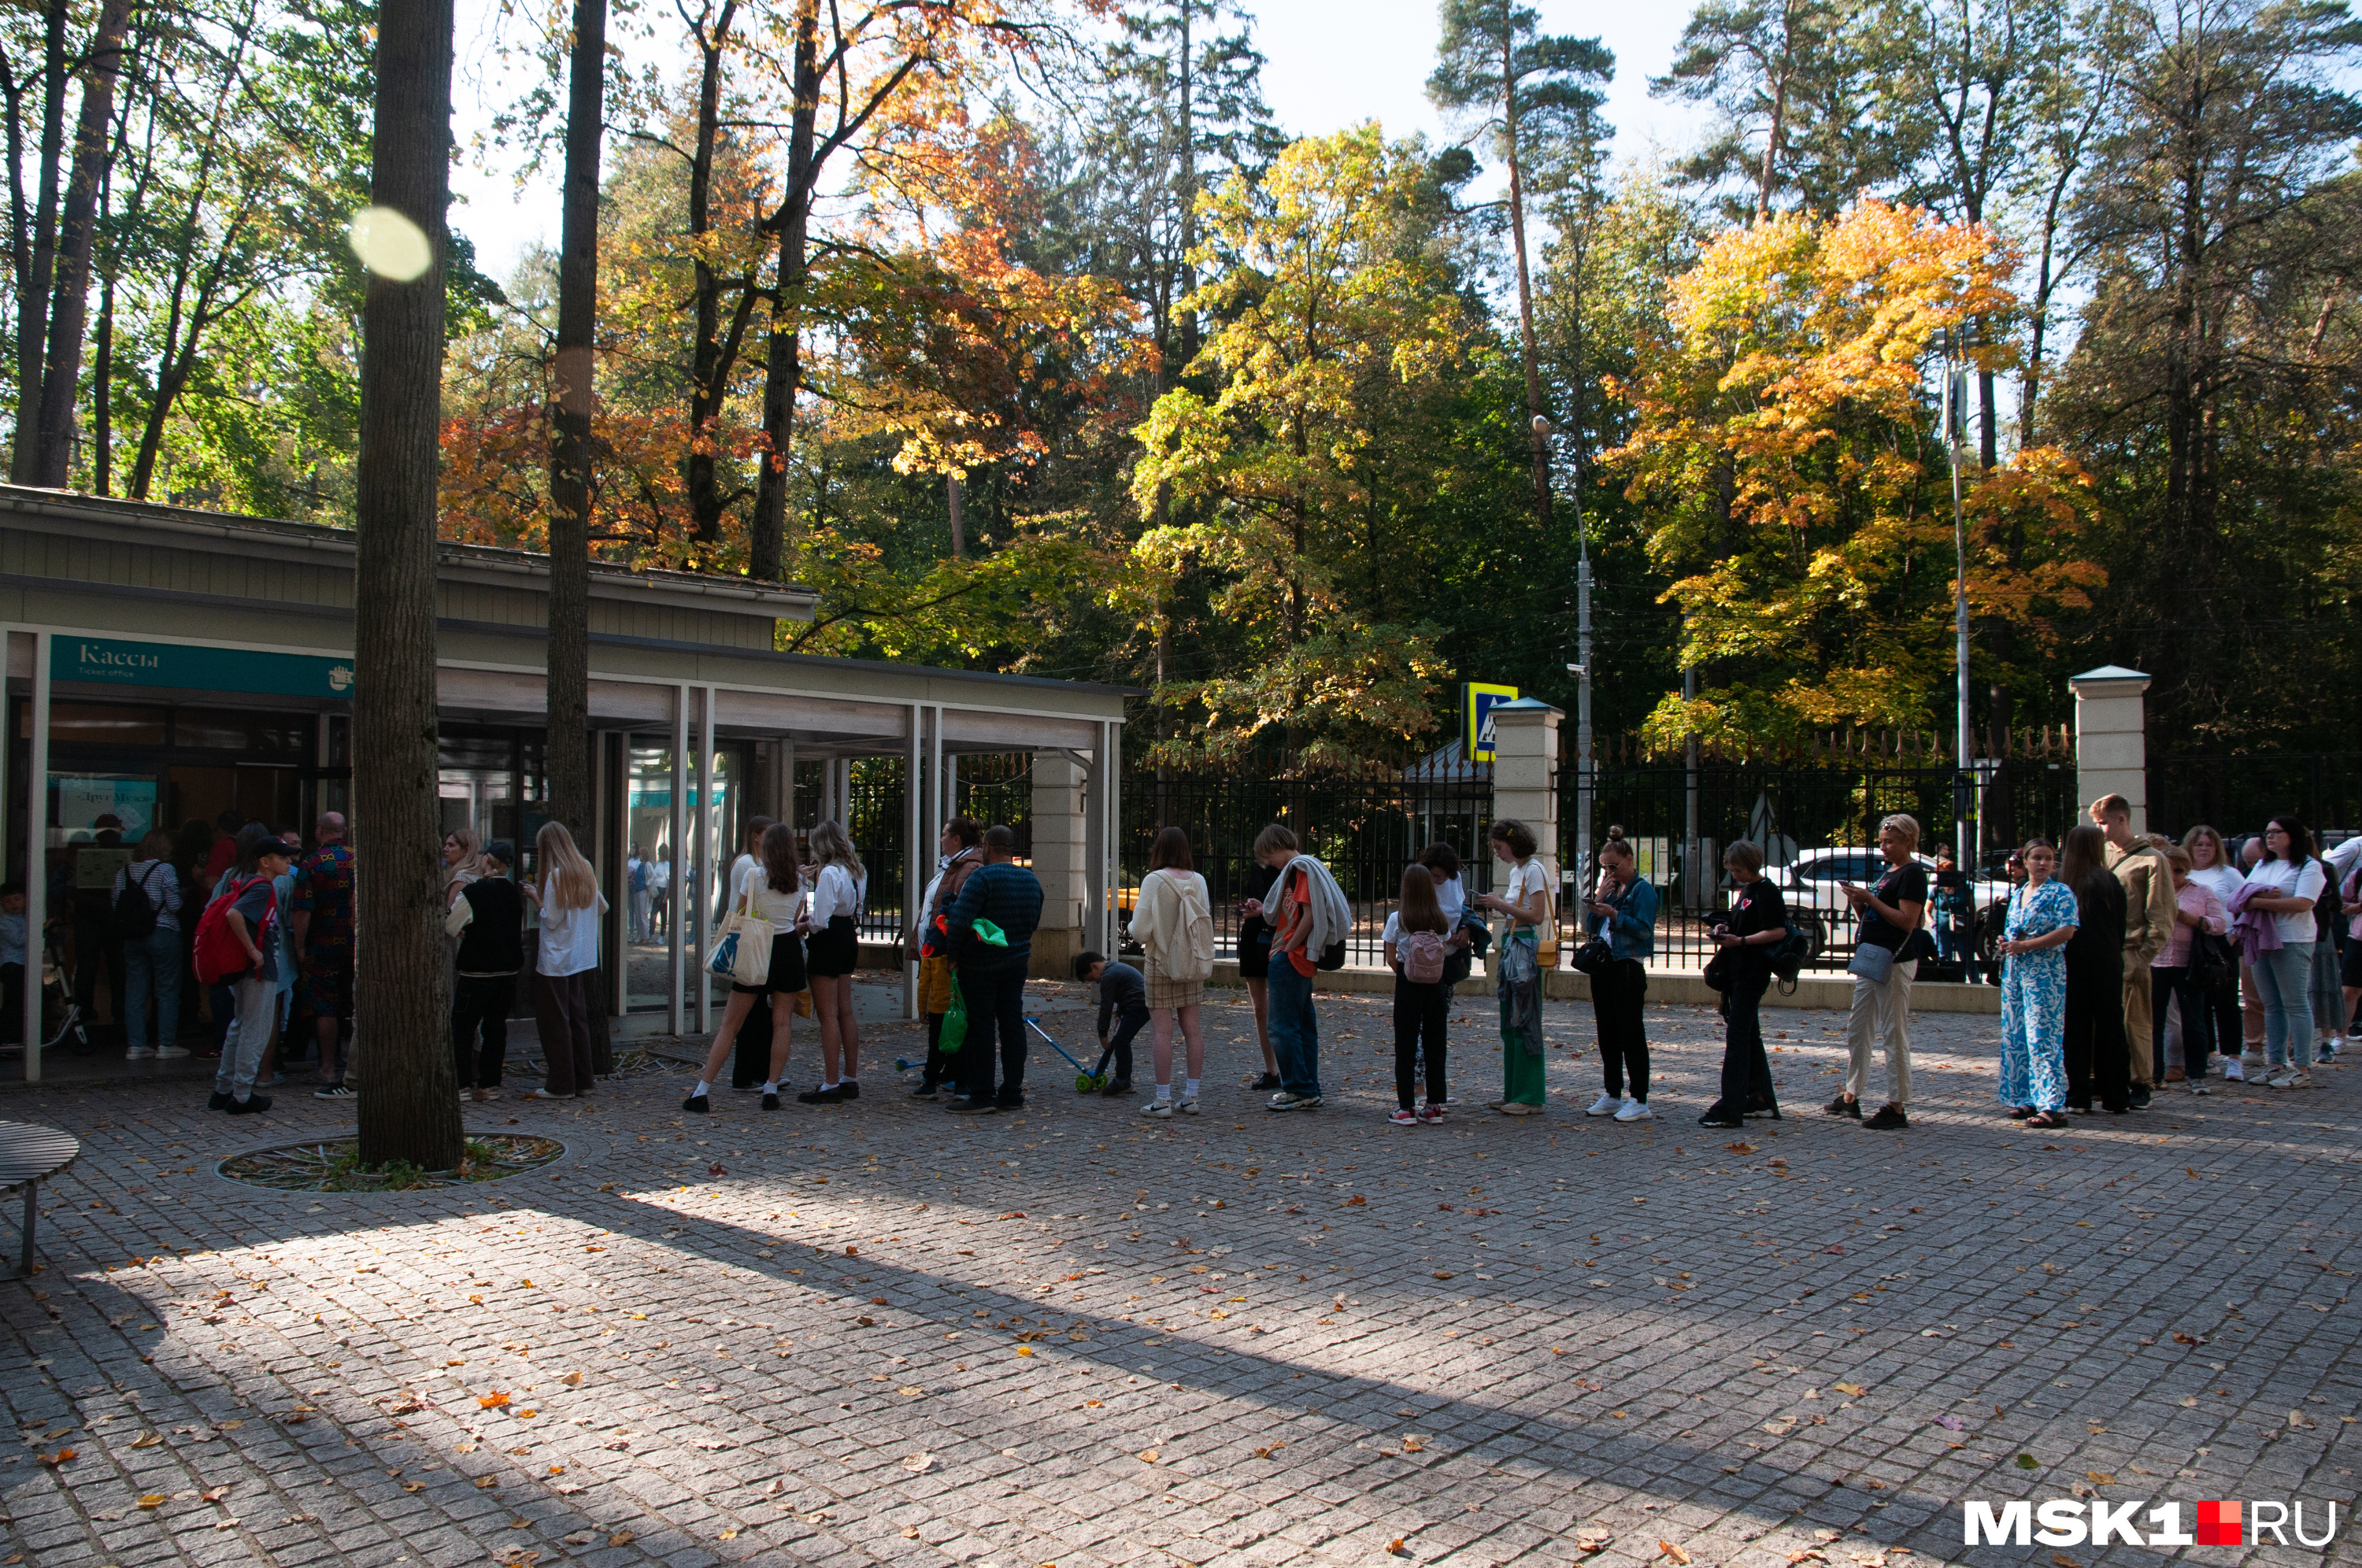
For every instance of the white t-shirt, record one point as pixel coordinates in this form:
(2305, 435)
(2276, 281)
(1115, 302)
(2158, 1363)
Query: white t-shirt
(836, 892)
(1453, 898)
(1394, 931)
(568, 938)
(2286, 881)
(753, 888)
(2220, 881)
(1526, 878)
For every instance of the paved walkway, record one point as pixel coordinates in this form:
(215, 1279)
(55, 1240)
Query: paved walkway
(879, 1334)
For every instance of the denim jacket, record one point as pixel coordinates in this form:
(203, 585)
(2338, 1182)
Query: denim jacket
(1631, 931)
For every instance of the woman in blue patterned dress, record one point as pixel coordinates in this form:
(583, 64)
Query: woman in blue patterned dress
(2042, 917)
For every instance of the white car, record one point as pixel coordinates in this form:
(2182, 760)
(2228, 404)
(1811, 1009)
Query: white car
(1810, 884)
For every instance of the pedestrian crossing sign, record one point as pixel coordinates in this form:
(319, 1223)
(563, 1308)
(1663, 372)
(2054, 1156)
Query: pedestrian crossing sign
(1477, 711)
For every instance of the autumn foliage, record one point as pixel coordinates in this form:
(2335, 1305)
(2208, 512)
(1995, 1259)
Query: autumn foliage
(1796, 494)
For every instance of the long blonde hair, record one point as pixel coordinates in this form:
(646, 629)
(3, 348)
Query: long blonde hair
(573, 883)
(832, 846)
(470, 864)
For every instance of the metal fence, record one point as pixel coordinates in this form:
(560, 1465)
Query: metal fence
(1365, 830)
(998, 787)
(875, 820)
(2239, 794)
(1817, 825)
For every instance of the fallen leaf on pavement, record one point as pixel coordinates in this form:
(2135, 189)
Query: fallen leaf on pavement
(1674, 1553)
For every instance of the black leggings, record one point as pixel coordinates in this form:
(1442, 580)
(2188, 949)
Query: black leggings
(1421, 1009)
(2210, 1018)
(1616, 995)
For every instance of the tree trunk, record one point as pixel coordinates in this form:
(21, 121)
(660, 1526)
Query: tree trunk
(783, 364)
(36, 256)
(712, 355)
(1538, 434)
(102, 392)
(70, 305)
(569, 753)
(410, 1102)
(959, 516)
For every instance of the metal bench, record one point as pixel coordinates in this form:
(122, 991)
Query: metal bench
(30, 1155)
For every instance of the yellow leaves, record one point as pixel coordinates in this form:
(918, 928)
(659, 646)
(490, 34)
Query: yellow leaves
(1800, 501)
(1850, 1391)
(153, 1500)
(492, 1401)
(1677, 1555)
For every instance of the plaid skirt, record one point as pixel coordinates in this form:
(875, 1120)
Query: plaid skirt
(1163, 991)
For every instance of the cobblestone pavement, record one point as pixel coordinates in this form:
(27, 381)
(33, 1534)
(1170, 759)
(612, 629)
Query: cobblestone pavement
(879, 1334)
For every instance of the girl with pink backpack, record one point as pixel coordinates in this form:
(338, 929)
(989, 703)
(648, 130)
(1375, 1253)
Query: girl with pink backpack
(1418, 942)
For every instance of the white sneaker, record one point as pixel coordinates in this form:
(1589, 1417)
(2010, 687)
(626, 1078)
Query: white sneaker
(1162, 1109)
(1634, 1110)
(1189, 1105)
(138, 1054)
(2232, 1073)
(2289, 1078)
(166, 1052)
(1605, 1105)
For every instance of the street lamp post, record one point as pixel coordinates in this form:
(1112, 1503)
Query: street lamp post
(1954, 421)
(1581, 670)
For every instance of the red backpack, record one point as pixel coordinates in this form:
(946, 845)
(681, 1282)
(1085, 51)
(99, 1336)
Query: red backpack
(219, 954)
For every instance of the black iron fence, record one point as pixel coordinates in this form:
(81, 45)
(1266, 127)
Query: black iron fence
(1365, 830)
(1818, 828)
(2239, 794)
(875, 818)
(998, 787)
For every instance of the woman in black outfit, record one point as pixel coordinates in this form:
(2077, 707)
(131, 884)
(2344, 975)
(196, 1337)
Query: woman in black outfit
(1758, 924)
(1255, 967)
(2098, 1055)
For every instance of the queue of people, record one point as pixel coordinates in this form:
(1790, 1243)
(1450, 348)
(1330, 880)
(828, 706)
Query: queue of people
(275, 998)
(2129, 961)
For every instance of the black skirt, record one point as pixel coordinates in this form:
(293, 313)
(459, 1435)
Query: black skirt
(787, 976)
(1255, 949)
(836, 951)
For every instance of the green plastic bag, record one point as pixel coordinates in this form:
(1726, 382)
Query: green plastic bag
(953, 1033)
(989, 934)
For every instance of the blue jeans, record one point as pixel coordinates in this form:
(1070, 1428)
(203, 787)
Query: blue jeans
(2283, 979)
(153, 959)
(1295, 1030)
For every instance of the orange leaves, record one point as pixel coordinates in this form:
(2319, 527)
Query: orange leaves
(1784, 443)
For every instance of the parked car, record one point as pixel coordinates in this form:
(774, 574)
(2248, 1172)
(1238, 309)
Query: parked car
(1811, 886)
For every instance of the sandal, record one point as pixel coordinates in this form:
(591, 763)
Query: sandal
(2020, 1113)
(2046, 1119)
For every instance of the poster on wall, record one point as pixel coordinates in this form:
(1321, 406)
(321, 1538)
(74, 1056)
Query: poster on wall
(84, 798)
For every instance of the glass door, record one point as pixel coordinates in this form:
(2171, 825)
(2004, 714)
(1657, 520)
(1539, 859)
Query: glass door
(655, 870)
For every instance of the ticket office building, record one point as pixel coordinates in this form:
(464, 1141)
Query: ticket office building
(166, 665)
